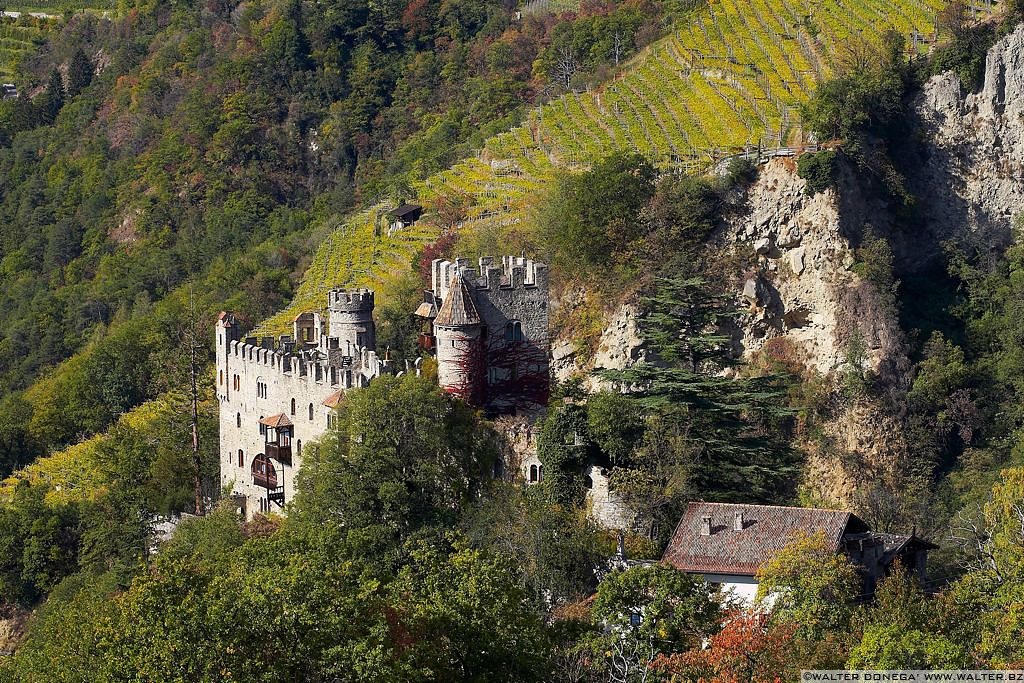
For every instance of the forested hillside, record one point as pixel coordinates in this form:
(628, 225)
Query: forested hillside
(164, 161)
(214, 148)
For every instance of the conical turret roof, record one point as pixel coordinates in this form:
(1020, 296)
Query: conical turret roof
(458, 309)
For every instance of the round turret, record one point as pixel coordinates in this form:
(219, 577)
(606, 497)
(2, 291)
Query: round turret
(457, 329)
(351, 317)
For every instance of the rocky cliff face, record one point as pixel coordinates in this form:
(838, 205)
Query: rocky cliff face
(971, 185)
(801, 296)
(800, 288)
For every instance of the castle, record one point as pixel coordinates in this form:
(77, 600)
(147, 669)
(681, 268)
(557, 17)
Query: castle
(488, 330)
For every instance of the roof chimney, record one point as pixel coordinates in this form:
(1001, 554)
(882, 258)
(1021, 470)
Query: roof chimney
(737, 520)
(705, 526)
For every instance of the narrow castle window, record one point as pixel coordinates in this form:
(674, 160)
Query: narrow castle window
(263, 427)
(533, 474)
(310, 411)
(238, 420)
(514, 331)
(541, 473)
(298, 447)
(220, 377)
(241, 458)
(293, 406)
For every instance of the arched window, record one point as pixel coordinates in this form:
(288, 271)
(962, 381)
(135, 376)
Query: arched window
(293, 406)
(241, 458)
(298, 447)
(238, 420)
(541, 473)
(533, 473)
(514, 331)
(263, 427)
(310, 411)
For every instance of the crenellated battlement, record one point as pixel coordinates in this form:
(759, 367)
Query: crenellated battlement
(507, 272)
(350, 300)
(342, 368)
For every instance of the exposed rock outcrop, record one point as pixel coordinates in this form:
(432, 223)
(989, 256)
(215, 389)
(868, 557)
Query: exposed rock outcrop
(971, 184)
(803, 278)
(800, 292)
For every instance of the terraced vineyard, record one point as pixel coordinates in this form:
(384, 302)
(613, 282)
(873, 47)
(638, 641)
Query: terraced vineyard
(730, 79)
(548, 6)
(17, 38)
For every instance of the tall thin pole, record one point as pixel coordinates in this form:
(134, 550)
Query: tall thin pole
(197, 463)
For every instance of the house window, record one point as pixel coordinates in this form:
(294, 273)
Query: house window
(293, 406)
(238, 420)
(533, 474)
(310, 411)
(241, 458)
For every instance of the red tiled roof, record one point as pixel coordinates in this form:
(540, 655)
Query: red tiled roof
(333, 400)
(277, 421)
(458, 309)
(766, 530)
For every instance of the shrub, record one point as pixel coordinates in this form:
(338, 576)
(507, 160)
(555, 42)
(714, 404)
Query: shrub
(818, 169)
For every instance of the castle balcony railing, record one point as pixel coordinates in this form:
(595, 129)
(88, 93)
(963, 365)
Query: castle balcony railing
(281, 453)
(263, 472)
(276, 495)
(264, 480)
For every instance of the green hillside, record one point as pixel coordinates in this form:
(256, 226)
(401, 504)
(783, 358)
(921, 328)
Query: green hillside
(729, 79)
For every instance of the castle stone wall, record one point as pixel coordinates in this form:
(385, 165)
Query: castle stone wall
(254, 382)
(506, 291)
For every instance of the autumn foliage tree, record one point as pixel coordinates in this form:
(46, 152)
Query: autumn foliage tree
(750, 648)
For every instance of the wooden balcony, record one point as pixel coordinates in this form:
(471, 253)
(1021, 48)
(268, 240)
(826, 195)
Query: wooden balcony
(263, 472)
(276, 495)
(281, 453)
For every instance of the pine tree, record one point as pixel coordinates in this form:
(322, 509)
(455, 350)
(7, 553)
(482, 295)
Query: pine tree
(707, 435)
(52, 101)
(80, 72)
